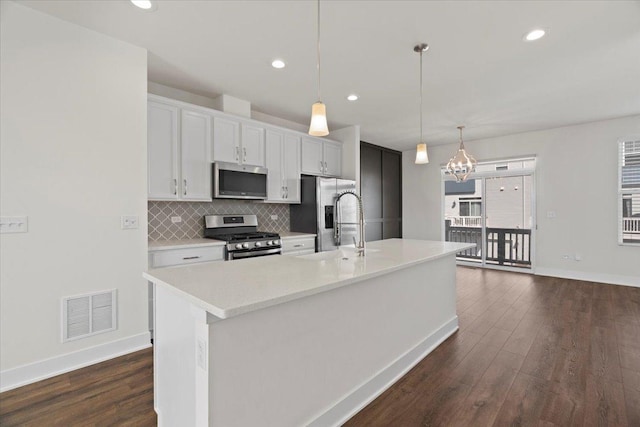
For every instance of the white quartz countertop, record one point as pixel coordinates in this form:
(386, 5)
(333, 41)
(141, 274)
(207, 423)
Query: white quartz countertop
(231, 288)
(161, 245)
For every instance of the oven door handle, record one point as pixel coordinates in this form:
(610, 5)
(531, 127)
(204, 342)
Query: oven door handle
(249, 254)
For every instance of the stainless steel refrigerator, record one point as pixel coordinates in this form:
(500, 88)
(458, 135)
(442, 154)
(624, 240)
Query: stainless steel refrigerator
(315, 213)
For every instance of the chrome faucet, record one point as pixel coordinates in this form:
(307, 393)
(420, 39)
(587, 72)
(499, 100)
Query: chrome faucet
(337, 223)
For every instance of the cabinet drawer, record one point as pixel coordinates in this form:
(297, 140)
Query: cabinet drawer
(309, 251)
(185, 256)
(296, 245)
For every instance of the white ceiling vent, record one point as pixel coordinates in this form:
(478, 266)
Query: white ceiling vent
(86, 315)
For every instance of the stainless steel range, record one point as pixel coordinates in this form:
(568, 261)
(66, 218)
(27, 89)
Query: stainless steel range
(242, 236)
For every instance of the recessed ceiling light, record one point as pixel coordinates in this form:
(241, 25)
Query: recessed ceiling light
(278, 63)
(352, 97)
(533, 35)
(147, 5)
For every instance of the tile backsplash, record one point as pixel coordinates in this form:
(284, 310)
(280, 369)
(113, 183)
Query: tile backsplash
(192, 213)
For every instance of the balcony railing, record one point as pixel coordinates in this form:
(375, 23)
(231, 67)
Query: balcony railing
(465, 221)
(631, 225)
(505, 246)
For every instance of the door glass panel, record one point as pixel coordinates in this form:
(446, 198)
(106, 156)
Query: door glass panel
(508, 221)
(463, 216)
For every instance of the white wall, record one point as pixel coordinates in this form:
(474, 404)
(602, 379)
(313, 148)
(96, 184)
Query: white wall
(350, 138)
(73, 158)
(204, 101)
(583, 195)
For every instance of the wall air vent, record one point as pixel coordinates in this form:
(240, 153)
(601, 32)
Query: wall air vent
(89, 314)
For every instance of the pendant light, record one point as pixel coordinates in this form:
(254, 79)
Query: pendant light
(422, 156)
(462, 164)
(318, 126)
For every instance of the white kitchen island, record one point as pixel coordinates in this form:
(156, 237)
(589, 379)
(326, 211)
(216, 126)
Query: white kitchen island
(292, 341)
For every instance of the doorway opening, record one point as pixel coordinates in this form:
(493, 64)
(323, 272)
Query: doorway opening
(495, 210)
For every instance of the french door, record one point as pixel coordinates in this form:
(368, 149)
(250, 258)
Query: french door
(496, 211)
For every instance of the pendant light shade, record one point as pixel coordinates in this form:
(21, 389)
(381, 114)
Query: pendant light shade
(421, 149)
(421, 154)
(462, 164)
(318, 125)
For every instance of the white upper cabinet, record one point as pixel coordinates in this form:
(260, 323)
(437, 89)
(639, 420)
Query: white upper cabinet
(226, 140)
(237, 142)
(332, 158)
(291, 160)
(195, 152)
(321, 157)
(162, 151)
(252, 144)
(283, 165)
(179, 152)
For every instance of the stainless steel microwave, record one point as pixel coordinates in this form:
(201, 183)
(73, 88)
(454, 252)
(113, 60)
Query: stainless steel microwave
(233, 181)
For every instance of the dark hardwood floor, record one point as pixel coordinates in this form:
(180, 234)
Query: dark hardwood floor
(118, 392)
(530, 351)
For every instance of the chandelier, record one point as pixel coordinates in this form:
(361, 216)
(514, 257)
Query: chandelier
(462, 164)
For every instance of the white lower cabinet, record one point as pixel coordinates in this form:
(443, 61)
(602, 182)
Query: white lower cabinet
(295, 246)
(283, 164)
(169, 257)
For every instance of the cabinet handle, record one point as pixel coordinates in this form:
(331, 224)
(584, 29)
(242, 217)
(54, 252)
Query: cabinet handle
(185, 187)
(190, 257)
(286, 190)
(282, 188)
(321, 166)
(298, 246)
(325, 167)
(244, 154)
(237, 154)
(175, 186)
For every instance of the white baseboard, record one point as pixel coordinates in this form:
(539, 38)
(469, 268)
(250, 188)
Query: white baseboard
(366, 393)
(43, 369)
(613, 279)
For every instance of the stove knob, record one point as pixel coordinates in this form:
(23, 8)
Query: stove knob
(270, 242)
(238, 246)
(258, 244)
(245, 245)
(276, 242)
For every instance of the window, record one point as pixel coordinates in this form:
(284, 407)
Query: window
(470, 207)
(629, 192)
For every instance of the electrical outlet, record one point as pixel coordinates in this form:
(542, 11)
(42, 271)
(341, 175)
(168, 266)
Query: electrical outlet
(129, 222)
(13, 224)
(176, 219)
(274, 217)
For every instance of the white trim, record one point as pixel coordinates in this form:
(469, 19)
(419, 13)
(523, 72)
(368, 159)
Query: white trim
(47, 368)
(352, 403)
(472, 264)
(613, 279)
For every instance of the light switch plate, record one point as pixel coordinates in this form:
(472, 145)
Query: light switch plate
(129, 222)
(14, 224)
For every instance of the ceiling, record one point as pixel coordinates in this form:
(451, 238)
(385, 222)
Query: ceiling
(478, 70)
